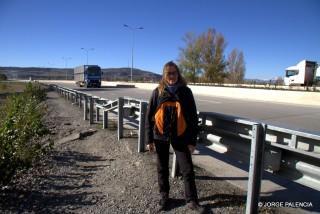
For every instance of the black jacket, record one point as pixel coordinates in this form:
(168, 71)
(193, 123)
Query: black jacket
(189, 111)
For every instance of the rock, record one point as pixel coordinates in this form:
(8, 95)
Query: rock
(88, 132)
(137, 163)
(69, 138)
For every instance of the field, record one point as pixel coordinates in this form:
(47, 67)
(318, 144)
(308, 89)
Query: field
(7, 87)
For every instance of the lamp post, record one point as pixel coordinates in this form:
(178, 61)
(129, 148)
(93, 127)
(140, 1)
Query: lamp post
(87, 52)
(133, 30)
(66, 64)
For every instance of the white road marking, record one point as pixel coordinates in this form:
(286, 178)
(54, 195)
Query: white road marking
(210, 101)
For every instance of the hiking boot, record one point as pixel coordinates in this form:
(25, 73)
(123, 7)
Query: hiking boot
(164, 203)
(192, 205)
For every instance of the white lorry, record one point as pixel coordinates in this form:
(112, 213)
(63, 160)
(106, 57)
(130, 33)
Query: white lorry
(304, 73)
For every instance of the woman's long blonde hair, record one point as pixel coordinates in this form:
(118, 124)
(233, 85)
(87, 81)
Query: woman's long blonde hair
(163, 82)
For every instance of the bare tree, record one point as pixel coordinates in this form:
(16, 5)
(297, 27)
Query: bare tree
(204, 55)
(235, 67)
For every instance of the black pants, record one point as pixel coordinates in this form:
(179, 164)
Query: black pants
(185, 165)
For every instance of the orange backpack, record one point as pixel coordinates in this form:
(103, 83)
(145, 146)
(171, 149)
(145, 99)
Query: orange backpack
(168, 114)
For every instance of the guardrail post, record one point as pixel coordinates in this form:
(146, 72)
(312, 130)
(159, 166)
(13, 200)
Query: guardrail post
(203, 120)
(97, 114)
(255, 169)
(293, 141)
(85, 108)
(142, 116)
(80, 100)
(76, 98)
(105, 120)
(91, 110)
(203, 124)
(120, 117)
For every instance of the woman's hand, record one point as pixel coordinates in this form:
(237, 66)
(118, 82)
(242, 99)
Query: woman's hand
(191, 148)
(151, 147)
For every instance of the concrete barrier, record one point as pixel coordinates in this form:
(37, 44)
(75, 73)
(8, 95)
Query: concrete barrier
(279, 96)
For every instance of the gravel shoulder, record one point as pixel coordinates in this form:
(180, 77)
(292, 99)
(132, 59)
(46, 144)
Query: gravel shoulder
(89, 171)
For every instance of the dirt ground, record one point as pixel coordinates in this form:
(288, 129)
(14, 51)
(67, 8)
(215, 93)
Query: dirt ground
(98, 174)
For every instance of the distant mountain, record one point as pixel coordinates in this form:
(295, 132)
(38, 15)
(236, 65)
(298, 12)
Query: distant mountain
(124, 74)
(109, 74)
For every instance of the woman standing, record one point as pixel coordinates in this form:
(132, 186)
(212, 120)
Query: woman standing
(172, 119)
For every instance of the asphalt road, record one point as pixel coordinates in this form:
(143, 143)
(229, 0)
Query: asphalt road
(298, 117)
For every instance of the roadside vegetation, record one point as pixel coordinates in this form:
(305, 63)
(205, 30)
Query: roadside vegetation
(21, 127)
(3, 77)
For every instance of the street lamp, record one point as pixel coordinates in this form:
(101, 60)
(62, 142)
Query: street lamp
(133, 30)
(87, 52)
(66, 64)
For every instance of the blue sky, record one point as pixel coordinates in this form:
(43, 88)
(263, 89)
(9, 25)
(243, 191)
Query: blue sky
(273, 34)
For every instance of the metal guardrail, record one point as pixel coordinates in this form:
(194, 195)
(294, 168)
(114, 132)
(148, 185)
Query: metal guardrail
(255, 133)
(240, 127)
(279, 148)
(260, 135)
(292, 144)
(124, 107)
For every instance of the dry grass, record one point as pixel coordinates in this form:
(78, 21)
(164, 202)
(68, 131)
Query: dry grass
(11, 87)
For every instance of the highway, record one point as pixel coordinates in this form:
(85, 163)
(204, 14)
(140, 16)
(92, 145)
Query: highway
(298, 117)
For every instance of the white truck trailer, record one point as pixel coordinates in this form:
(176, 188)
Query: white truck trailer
(304, 73)
(88, 76)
